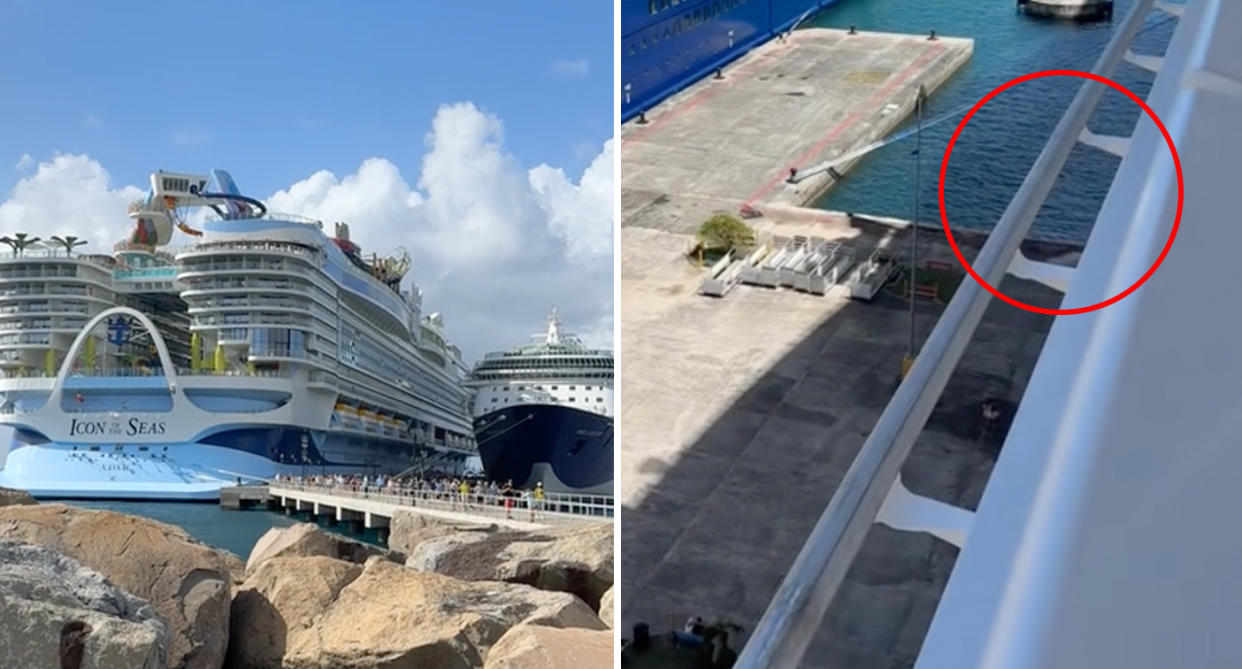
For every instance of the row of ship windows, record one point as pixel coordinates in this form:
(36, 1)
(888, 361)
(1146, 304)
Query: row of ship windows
(542, 363)
(54, 289)
(256, 282)
(44, 307)
(72, 322)
(506, 388)
(554, 399)
(220, 264)
(41, 271)
(683, 23)
(256, 247)
(539, 374)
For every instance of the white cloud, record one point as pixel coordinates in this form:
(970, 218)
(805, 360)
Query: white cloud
(494, 244)
(571, 68)
(189, 138)
(24, 163)
(92, 121)
(68, 195)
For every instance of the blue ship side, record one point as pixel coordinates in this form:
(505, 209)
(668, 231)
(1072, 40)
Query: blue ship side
(567, 449)
(667, 45)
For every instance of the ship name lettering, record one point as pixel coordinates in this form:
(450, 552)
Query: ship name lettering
(77, 427)
(137, 427)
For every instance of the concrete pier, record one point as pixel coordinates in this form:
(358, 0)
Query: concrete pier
(741, 415)
(244, 497)
(373, 510)
(723, 144)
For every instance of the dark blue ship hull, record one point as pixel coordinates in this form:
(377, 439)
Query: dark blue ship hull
(667, 45)
(565, 448)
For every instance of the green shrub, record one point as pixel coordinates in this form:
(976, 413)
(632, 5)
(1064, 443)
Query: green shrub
(723, 232)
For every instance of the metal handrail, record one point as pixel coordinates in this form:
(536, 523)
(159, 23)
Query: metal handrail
(794, 615)
(565, 506)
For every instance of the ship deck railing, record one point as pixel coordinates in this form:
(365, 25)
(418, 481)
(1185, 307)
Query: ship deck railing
(562, 507)
(871, 490)
(148, 372)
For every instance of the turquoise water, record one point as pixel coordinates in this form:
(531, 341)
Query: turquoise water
(235, 531)
(1002, 140)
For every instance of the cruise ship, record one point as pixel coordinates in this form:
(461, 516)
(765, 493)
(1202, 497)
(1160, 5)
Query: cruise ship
(263, 347)
(543, 414)
(667, 45)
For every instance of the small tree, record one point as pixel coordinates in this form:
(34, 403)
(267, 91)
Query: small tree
(723, 232)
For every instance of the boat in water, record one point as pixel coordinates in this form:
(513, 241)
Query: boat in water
(667, 45)
(263, 347)
(543, 414)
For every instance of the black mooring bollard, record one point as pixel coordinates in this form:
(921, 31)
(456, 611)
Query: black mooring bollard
(642, 118)
(853, 31)
(932, 36)
(719, 74)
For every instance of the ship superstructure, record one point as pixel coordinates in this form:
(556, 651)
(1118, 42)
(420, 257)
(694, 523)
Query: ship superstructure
(543, 413)
(264, 347)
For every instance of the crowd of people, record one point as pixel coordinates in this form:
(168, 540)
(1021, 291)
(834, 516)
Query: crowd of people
(463, 491)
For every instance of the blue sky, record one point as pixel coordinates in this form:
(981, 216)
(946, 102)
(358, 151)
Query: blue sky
(476, 135)
(275, 90)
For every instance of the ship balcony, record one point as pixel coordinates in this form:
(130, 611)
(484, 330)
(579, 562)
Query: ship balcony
(17, 310)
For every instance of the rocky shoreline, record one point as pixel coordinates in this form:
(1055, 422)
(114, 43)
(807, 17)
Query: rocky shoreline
(86, 589)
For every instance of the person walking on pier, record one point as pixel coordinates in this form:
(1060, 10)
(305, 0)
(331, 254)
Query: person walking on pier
(506, 491)
(537, 505)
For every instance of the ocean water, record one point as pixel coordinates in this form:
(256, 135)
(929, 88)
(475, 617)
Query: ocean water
(232, 530)
(1001, 141)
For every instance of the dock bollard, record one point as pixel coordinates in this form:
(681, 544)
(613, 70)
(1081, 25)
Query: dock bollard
(719, 74)
(642, 118)
(932, 36)
(852, 31)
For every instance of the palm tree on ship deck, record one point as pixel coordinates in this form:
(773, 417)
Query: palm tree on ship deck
(70, 242)
(19, 242)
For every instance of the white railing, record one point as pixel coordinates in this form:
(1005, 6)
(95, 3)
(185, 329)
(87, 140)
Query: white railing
(520, 506)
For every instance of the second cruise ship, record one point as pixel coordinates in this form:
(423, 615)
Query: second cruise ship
(264, 347)
(543, 414)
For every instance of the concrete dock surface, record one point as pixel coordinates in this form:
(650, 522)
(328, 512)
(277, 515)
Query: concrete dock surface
(741, 415)
(820, 93)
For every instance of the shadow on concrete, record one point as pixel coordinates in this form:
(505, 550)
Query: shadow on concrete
(716, 535)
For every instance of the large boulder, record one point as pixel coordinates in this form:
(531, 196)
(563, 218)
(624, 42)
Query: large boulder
(56, 613)
(432, 554)
(540, 647)
(408, 529)
(605, 607)
(186, 582)
(9, 496)
(573, 558)
(387, 615)
(282, 599)
(306, 540)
